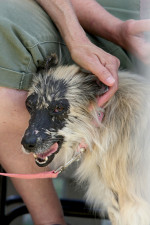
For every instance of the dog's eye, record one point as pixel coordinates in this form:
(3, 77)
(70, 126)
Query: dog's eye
(59, 108)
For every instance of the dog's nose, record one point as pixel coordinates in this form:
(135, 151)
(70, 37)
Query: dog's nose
(29, 143)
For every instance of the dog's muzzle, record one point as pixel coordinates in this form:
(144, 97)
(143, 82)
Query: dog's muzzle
(43, 153)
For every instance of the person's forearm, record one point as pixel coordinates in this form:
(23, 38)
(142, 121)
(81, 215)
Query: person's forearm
(64, 17)
(96, 20)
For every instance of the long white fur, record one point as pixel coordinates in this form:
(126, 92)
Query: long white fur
(116, 164)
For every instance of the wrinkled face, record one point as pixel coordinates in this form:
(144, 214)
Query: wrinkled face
(57, 103)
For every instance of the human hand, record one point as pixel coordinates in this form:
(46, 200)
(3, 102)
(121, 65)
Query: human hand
(100, 63)
(83, 52)
(132, 38)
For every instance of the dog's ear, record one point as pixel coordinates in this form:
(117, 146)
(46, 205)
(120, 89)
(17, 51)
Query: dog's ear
(102, 87)
(94, 83)
(49, 62)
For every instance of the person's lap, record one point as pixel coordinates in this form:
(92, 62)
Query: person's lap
(28, 36)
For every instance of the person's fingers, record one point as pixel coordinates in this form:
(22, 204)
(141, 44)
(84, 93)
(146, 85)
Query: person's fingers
(104, 98)
(143, 53)
(101, 64)
(96, 60)
(139, 26)
(140, 48)
(95, 67)
(106, 69)
(102, 73)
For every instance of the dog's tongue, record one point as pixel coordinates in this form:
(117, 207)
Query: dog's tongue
(49, 152)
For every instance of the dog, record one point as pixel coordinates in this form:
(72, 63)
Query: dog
(65, 118)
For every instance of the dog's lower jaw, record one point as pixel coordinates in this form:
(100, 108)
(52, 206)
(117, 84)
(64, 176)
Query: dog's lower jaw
(43, 162)
(43, 159)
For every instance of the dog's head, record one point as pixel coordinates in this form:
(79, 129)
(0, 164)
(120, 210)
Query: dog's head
(58, 103)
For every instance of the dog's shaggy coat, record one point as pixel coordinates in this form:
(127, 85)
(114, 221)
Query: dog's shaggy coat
(116, 165)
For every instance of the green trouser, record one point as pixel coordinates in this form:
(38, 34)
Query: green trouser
(27, 36)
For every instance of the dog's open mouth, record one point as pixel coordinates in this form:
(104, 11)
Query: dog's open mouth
(43, 159)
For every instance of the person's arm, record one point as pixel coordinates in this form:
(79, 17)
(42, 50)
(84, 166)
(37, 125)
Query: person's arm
(127, 34)
(83, 52)
(96, 20)
(63, 15)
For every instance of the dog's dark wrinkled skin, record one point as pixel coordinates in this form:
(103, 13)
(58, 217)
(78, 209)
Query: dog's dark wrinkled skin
(115, 167)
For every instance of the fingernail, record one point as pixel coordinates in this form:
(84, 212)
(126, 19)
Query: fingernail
(110, 80)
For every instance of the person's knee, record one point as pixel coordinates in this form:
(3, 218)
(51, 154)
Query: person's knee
(13, 113)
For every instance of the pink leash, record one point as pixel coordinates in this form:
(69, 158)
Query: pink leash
(47, 174)
(42, 175)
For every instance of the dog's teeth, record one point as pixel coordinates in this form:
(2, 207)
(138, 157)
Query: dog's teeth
(41, 161)
(46, 158)
(35, 156)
